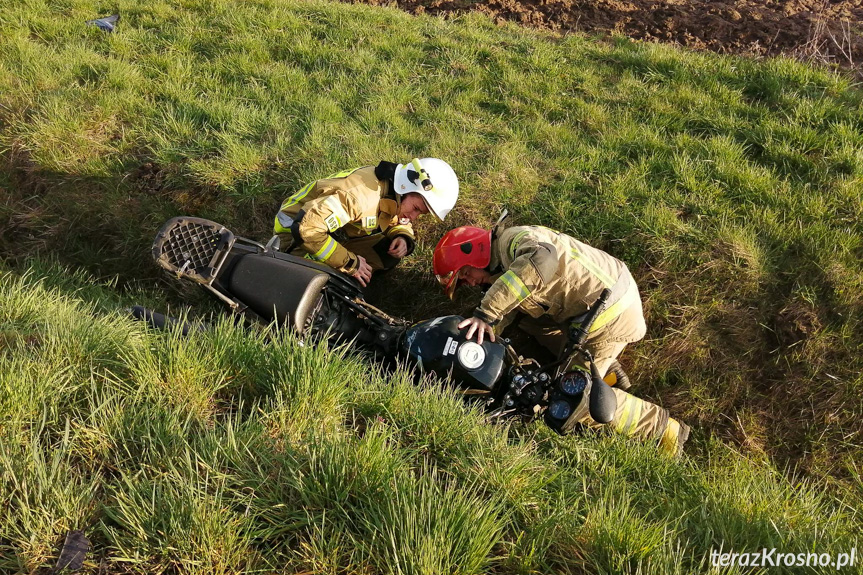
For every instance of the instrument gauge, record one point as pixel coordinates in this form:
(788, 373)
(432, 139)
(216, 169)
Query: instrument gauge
(573, 382)
(560, 409)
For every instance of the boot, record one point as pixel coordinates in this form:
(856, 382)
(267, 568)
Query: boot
(616, 377)
(675, 435)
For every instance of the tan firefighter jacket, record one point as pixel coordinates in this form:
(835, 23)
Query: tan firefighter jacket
(355, 202)
(549, 273)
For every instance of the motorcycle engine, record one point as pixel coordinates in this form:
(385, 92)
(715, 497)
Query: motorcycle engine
(439, 346)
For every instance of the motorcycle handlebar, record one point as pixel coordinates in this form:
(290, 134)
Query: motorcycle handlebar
(603, 402)
(579, 334)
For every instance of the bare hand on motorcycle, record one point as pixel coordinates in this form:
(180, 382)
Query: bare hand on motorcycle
(364, 272)
(479, 326)
(398, 248)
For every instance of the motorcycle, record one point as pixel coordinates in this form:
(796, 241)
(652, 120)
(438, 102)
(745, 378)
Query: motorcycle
(264, 285)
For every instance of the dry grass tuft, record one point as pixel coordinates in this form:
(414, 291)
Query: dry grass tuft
(832, 42)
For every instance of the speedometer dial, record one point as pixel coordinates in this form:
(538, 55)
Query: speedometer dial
(560, 409)
(573, 382)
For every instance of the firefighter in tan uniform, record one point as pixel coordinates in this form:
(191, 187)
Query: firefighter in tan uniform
(553, 279)
(359, 221)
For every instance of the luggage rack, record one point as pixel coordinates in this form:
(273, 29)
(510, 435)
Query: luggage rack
(196, 249)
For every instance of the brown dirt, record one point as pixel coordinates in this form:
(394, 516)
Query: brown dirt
(827, 30)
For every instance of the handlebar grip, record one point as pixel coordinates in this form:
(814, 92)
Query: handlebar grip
(579, 334)
(162, 321)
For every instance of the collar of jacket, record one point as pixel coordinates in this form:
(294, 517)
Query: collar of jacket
(386, 172)
(494, 264)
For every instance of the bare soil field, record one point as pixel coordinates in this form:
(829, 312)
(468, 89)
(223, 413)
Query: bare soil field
(825, 30)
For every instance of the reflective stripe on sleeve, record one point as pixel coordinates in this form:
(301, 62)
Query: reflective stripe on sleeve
(515, 285)
(283, 223)
(513, 245)
(326, 251)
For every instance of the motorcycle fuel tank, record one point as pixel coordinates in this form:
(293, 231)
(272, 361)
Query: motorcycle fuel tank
(438, 345)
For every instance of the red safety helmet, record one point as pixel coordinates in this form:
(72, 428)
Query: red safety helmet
(459, 247)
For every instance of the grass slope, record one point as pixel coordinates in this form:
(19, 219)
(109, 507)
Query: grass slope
(731, 187)
(234, 452)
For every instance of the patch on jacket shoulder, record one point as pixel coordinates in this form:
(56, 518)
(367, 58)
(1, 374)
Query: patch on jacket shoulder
(545, 261)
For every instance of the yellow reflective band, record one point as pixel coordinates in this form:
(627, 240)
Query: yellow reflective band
(277, 226)
(342, 174)
(395, 230)
(295, 199)
(668, 443)
(630, 415)
(515, 285)
(591, 267)
(625, 414)
(634, 415)
(326, 251)
(513, 245)
(616, 309)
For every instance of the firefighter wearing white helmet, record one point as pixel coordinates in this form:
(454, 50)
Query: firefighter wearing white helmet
(431, 178)
(359, 221)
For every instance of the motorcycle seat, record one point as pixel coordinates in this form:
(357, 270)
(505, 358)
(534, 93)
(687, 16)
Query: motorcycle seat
(275, 288)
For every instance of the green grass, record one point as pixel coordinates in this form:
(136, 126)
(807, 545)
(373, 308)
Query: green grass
(733, 188)
(227, 453)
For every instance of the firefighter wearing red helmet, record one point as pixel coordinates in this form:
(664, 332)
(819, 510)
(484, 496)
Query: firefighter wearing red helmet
(552, 278)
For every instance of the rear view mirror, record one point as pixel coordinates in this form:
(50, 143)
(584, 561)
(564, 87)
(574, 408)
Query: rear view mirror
(603, 402)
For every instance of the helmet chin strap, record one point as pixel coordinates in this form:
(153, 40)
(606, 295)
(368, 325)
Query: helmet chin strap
(402, 221)
(496, 228)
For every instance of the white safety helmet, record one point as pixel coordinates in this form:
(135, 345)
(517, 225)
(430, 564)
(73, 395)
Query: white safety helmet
(431, 178)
